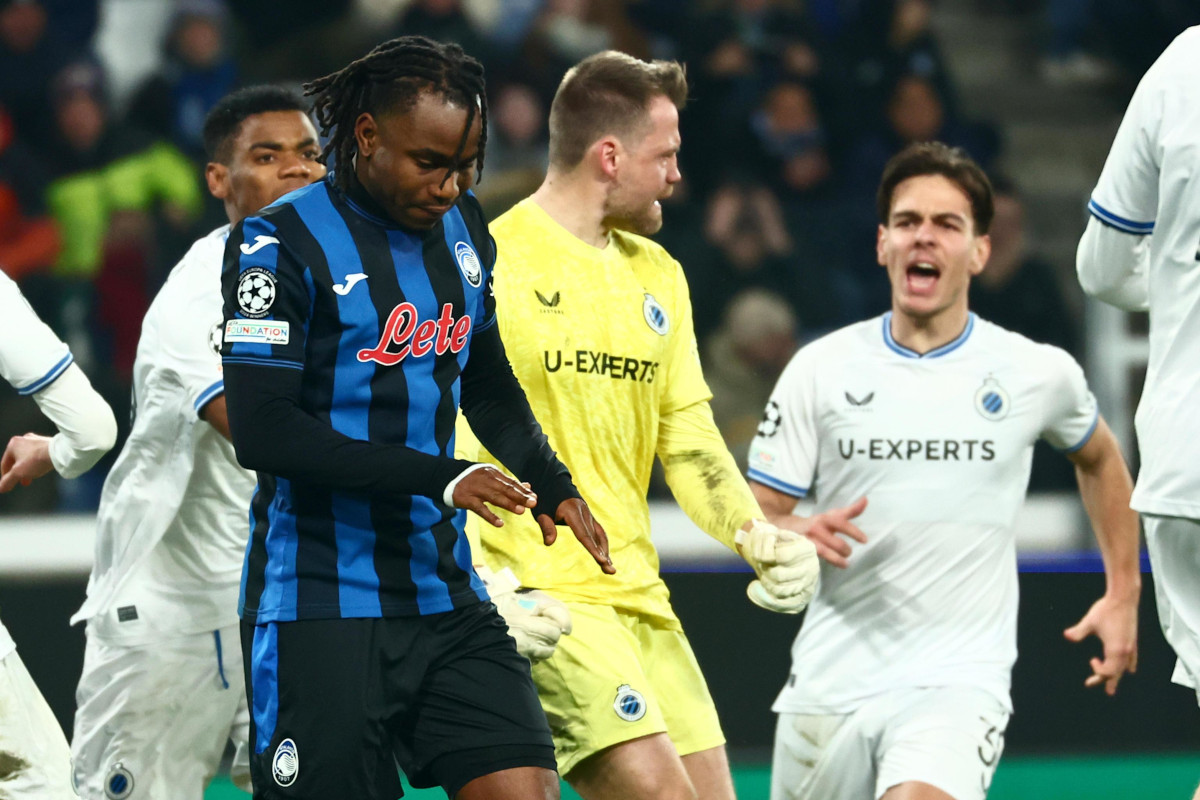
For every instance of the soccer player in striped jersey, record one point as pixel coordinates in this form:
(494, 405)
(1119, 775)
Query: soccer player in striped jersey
(899, 687)
(35, 760)
(1141, 252)
(161, 691)
(358, 318)
(597, 320)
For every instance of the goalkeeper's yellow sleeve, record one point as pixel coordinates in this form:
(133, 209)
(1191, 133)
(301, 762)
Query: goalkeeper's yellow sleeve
(703, 475)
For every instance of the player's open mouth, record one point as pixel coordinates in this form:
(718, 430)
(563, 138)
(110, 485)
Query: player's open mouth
(922, 277)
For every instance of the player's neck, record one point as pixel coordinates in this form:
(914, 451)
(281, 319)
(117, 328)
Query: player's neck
(576, 204)
(923, 334)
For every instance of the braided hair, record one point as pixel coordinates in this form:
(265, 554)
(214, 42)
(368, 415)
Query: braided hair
(392, 77)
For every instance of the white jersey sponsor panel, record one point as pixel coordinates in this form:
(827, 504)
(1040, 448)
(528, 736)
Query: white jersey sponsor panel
(941, 445)
(173, 521)
(31, 356)
(1150, 185)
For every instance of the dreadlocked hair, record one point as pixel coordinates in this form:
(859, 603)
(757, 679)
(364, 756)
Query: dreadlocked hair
(391, 78)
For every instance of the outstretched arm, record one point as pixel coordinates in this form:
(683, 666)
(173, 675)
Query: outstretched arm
(87, 430)
(1105, 486)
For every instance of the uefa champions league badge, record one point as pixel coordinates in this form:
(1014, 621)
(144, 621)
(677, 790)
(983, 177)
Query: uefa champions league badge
(118, 783)
(285, 765)
(991, 401)
(630, 705)
(256, 292)
(468, 262)
(656, 318)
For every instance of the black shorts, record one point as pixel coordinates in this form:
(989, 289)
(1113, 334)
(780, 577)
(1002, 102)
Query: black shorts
(336, 704)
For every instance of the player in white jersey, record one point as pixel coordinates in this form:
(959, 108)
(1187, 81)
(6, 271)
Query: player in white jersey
(162, 688)
(34, 758)
(1141, 251)
(899, 686)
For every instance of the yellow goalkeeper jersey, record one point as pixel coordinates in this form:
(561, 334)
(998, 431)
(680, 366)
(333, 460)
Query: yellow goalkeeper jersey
(602, 343)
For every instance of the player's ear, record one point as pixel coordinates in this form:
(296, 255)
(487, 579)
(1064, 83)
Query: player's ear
(607, 152)
(982, 250)
(880, 241)
(216, 175)
(366, 134)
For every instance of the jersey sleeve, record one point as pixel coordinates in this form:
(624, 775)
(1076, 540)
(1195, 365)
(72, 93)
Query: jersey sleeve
(683, 383)
(1072, 410)
(1126, 196)
(191, 341)
(267, 297)
(31, 355)
(783, 455)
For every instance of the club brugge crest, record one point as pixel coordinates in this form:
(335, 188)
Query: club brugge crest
(118, 783)
(991, 401)
(285, 766)
(630, 705)
(468, 262)
(656, 318)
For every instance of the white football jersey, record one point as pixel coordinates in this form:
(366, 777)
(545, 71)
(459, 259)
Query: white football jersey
(31, 357)
(1151, 184)
(941, 446)
(173, 520)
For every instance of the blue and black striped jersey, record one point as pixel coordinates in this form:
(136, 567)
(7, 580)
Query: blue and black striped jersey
(377, 321)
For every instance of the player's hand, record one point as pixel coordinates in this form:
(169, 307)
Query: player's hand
(786, 564)
(25, 459)
(1114, 621)
(489, 485)
(825, 531)
(575, 514)
(535, 620)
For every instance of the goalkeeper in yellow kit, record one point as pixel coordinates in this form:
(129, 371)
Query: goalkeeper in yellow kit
(597, 323)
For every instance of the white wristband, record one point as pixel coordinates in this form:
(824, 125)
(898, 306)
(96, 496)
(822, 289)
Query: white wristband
(448, 493)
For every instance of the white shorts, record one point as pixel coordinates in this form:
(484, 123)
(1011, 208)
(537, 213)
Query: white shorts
(157, 717)
(35, 760)
(948, 737)
(1174, 547)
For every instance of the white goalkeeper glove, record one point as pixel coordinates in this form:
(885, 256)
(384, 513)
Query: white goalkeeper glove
(786, 564)
(535, 620)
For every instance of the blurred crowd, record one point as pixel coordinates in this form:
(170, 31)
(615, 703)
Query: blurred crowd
(795, 107)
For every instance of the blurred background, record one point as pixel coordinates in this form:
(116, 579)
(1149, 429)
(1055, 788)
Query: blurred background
(795, 107)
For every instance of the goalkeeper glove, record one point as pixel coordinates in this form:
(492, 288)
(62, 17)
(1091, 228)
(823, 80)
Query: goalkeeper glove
(786, 564)
(535, 620)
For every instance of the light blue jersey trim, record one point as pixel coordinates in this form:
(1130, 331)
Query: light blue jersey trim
(936, 352)
(262, 362)
(1086, 437)
(220, 660)
(49, 377)
(1120, 223)
(775, 483)
(209, 394)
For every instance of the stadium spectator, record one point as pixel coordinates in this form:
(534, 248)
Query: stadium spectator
(516, 148)
(37, 39)
(112, 189)
(444, 21)
(198, 70)
(29, 240)
(742, 360)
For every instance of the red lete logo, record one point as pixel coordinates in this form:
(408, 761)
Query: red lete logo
(413, 336)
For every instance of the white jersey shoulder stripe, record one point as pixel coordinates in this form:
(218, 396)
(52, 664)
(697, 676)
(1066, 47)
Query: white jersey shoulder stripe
(49, 377)
(775, 483)
(209, 394)
(1120, 223)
